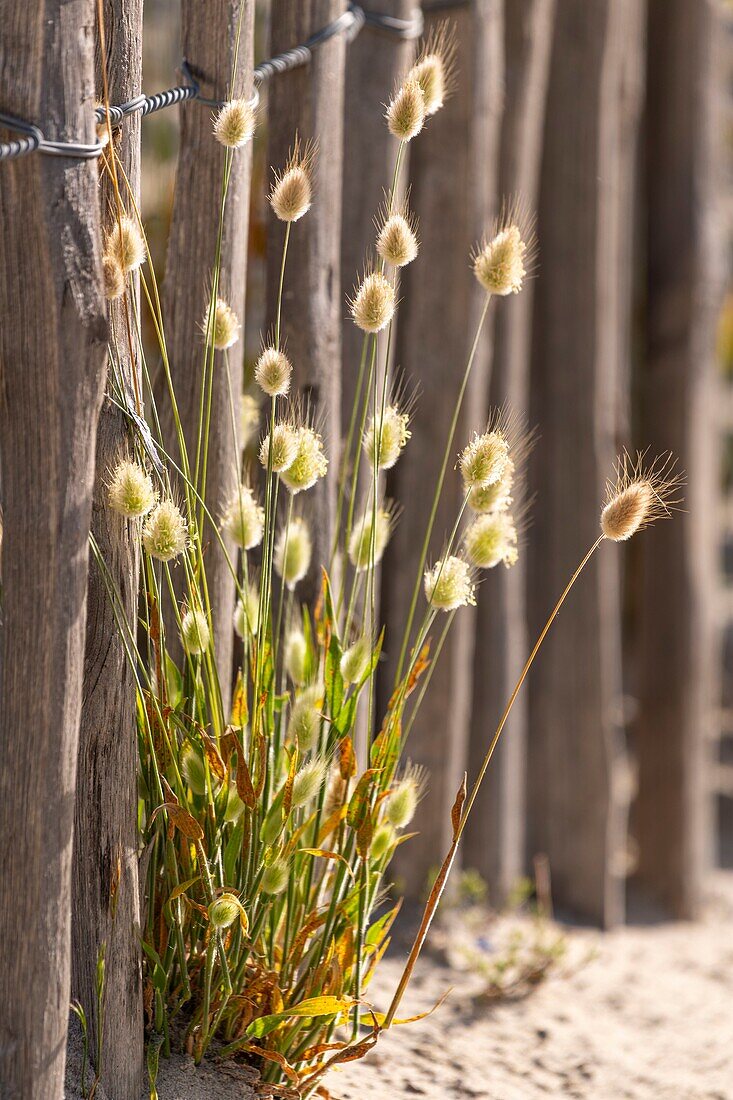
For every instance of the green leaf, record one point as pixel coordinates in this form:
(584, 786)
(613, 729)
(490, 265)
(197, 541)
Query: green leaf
(313, 1006)
(359, 806)
(233, 851)
(334, 681)
(174, 681)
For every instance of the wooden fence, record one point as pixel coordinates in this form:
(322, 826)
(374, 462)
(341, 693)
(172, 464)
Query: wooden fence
(601, 115)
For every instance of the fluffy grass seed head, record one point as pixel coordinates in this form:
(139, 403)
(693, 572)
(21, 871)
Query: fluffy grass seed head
(130, 492)
(249, 418)
(243, 519)
(165, 534)
(285, 441)
(500, 262)
(125, 244)
(448, 585)
(397, 242)
(195, 633)
(275, 877)
(355, 660)
(292, 192)
(309, 464)
(114, 277)
(308, 781)
(296, 656)
(383, 841)
(234, 124)
(403, 801)
(491, 539)
(225, 909)
(360, 541)
(293, 551)
(392, 432)
(223, 327)
(640, 495)
(483, 460)
(373, 303)
(405, 113)
(193, 769)
(234, 806)
(434, 68)
(247, 611)
(273, 372)
(496, 497)
(305, 717)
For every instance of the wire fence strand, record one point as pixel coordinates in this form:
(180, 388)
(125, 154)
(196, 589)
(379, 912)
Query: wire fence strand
(349, 24)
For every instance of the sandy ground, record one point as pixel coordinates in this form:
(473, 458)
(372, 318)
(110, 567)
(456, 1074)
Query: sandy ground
(643, 1012)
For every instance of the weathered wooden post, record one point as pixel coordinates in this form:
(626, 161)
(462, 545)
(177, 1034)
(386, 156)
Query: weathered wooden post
(576, 809)
(52, 349)
(105, 900)
(209, 35)
(308, 101)
(376, 60)
(495, 836)
(453, 168)
(684, 248)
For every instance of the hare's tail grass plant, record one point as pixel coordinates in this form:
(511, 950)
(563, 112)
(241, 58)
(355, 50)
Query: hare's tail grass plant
(268, 841)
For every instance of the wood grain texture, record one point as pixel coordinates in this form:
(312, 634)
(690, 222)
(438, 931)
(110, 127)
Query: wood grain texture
(375, 62)
(208, 39)
(576, 809)
(105, 900)
(495, 835)
(52, 348)
(309, 102)
(453, 175)
(678, 673)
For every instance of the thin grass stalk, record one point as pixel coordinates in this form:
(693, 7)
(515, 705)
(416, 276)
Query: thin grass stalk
(439, 488)
(466, 808)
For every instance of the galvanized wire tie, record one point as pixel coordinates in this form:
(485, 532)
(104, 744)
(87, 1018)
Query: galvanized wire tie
(350, 23)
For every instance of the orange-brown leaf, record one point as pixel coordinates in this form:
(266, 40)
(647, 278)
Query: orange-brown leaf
(212, 755)
(347, 757)
(181, 819)
(239, 704)
(245, 790)
(331, 823)
(455, 814)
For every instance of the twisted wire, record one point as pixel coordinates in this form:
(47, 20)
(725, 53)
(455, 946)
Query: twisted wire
(349, 23)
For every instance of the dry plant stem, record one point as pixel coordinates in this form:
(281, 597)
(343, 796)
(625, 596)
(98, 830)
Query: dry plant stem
(371, 380)
(502, 722)
(270, 504)
(207, 382)
(437, 890)
(110, 164)
(346, 458)
(429, 674)
(439, 488)
(426, 625)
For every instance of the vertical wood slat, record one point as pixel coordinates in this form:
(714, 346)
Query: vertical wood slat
(106, 909)
(52, 348)
(495, 835)
(309, 102)
(209, 34)
(677, 673)
(376, 61)
(453, 168)
(576, 810)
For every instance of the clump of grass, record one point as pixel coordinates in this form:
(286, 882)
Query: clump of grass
(268, 839)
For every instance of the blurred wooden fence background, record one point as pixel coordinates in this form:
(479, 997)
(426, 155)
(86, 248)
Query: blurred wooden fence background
(604, 116)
